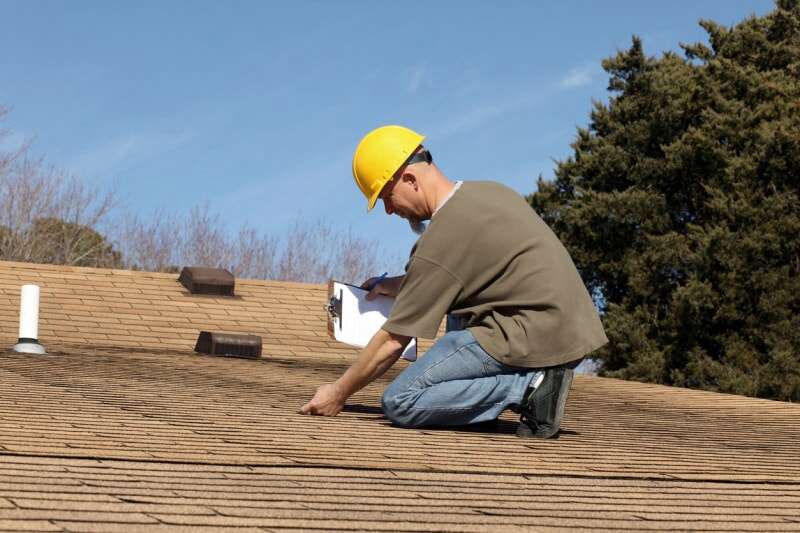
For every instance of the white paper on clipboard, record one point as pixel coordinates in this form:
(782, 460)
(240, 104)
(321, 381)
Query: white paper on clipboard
(355, 320)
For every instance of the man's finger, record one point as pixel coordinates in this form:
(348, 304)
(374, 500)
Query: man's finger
(306, 409)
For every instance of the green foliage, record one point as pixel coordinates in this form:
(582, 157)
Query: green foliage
(54, 241)
(680, 207)
(74, 244)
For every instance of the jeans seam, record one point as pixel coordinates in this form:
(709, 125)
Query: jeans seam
(415, 383)
(476, 406)
(485, 366)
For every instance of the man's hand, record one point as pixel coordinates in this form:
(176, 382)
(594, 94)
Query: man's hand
(388, 287)
(328, 401)
(381, 352)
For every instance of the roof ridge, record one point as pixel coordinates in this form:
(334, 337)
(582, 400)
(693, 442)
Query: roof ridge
(21, 265)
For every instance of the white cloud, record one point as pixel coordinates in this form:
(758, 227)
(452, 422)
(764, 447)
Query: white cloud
(470, 119)
(127, 150)
(481, 113)
(525, 97)
(415, 77)
(579, 76)
(264, 202)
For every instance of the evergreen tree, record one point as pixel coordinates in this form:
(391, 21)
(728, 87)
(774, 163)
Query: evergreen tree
(53, 241)
(680, 208)
(67, 243)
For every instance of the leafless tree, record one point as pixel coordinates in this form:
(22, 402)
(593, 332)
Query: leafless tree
(150, 245)
(47, 216)
(315, 252)
(310, 251)
(256, 255)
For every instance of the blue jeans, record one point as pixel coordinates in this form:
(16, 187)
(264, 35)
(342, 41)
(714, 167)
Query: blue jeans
(455, 383)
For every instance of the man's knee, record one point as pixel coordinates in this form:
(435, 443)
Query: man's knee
(396, 407)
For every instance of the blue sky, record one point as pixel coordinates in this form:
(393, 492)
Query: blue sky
(255, 107)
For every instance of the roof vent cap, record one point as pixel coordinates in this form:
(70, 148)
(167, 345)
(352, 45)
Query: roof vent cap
(229, 344)
(204, 280)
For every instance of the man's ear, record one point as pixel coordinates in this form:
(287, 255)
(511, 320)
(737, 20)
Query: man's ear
(411, 179)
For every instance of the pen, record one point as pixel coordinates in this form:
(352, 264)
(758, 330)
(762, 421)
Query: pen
(375, 283)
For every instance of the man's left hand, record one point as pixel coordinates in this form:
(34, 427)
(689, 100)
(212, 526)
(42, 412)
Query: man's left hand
(328, 401)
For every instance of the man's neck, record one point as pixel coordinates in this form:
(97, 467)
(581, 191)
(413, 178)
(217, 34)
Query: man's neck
(441, 192)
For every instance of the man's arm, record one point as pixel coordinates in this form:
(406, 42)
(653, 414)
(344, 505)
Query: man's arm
(382, 351)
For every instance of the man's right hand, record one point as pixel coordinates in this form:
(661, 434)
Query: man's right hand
(388, 287)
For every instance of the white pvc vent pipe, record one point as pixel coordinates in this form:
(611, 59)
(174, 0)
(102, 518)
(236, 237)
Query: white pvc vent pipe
(29, 321)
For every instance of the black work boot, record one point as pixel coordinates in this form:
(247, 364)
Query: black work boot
(541, 410)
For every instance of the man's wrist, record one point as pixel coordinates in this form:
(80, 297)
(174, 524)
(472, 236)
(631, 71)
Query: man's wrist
(340, 390)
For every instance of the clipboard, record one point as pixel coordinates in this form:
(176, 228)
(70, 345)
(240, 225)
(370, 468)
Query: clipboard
(353, 320)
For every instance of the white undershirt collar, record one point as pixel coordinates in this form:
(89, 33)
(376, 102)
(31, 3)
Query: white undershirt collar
(446, 198)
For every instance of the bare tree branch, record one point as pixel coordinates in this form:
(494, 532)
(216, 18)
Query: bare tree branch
(47, 216)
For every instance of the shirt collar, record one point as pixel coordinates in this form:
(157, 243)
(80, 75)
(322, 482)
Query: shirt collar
(446, 198)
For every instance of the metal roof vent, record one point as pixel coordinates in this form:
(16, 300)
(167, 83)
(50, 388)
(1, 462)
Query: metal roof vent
(229, 344)
(203, 280)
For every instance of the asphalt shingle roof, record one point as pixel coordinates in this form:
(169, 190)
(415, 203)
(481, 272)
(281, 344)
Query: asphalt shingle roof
(122, 428)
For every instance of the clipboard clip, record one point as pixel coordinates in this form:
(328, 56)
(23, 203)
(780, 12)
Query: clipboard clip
(334, 307)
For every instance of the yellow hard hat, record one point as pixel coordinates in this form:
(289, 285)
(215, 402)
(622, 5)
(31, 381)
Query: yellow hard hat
(378, 156)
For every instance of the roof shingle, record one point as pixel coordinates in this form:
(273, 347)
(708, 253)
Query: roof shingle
(123, 428)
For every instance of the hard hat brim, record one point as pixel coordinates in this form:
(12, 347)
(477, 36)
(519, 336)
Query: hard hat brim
(374, 199)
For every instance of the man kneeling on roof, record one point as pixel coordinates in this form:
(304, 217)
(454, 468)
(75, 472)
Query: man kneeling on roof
(519, 318)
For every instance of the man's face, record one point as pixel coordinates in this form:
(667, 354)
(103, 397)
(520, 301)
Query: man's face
(398, 196)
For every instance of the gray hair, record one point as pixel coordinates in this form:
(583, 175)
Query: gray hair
(417, 226)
